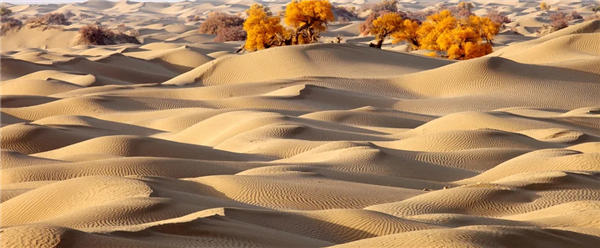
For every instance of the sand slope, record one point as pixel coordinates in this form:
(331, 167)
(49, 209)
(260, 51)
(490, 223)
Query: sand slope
(178, 142)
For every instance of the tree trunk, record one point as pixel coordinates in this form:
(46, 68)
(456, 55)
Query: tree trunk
(378, 44)
(299, 31)
(242, 48)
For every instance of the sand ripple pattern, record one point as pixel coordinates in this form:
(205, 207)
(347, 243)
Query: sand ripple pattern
(307, 146)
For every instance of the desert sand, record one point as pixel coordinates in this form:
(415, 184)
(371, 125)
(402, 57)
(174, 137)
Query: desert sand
(180, 142)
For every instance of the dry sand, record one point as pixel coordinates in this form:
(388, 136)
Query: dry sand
(179, 142)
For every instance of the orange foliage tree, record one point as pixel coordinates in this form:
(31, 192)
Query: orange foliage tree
(308, 18)
(408, 33)
(384, 26)
(263, 29)
(456, 38)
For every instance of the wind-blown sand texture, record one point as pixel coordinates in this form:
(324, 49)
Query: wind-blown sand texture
(178, 142)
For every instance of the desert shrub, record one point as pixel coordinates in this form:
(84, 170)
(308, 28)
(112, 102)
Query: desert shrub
(559, 20)
(99, 35)
(496, 17)
(234, 33)
(596, 9)
(217, 20)
(9, 23)
(343, 14)
(544, 6)
(4, 11)
(48, 19)
(226, 27)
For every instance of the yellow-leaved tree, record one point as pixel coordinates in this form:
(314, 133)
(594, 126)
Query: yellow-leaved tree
(432, 28)
(408, 33)
(384, 26)
(457, 38)
(308, 18)
(263, 29)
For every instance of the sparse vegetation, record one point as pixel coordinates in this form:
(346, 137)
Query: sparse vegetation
(47, 20)
(8, 23)
(559, 20)
(234, 33)
(100, 35)
(226, 27)
(544, 6)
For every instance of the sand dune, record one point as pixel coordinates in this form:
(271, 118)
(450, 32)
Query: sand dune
(181, 142)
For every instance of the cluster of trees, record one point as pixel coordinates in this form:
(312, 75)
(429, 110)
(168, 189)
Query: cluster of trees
(304, 19)
(447, 35)
(455, 33)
